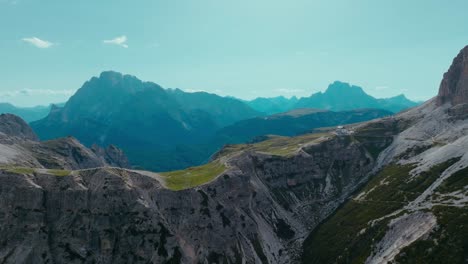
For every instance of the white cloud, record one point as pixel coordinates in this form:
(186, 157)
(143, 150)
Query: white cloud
(34, 92)
(43, 44)
(33, 97)
(119, 41)
(194, 90)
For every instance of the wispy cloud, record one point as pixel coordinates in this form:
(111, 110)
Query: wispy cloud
(35, 92)
(42, 44)
(119, 41)
(194, 90)
(9, 2)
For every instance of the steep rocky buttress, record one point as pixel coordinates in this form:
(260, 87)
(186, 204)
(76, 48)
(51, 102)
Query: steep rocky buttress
(415, 207)
(453, 85)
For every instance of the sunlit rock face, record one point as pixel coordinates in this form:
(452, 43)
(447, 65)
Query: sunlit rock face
(13, 126)
(454, 85)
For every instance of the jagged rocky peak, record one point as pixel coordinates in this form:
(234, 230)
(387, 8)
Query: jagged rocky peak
(338, 87)
(12, 125)
(454, 85)
(112, 75)
(112, 81)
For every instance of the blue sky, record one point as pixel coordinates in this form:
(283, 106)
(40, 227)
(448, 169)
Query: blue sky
(243, 48)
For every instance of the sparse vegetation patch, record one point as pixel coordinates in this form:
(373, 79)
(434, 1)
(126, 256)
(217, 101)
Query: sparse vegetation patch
(192, 177)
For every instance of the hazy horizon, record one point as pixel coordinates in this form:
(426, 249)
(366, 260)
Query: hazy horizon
(67, 94)
(245, 49)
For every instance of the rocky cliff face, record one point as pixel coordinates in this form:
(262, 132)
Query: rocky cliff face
(13, 126)
(258, 211)
(414, 208)
(454, 85)
(112, 155)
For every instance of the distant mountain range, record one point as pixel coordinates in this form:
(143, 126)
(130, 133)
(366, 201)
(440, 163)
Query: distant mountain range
(293, 123)
(29, 114)
(273, 105)
(164, 129)
(151, 124)
(339, 96)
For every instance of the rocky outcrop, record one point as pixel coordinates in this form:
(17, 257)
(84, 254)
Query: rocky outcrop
(403, 231)
(13, 126)
(19, 146)
(454, 85)
(65, 153)
(112, 155)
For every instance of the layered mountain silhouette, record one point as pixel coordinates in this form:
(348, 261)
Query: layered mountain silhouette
(273, 105)
(164, 129)
(150, 123)
(339, 96)
(28, 114)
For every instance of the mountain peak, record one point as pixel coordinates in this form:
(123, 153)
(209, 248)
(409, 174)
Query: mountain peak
(114, 82)
(114, 78)
(339, 87)
(454, 85)
(110, 75)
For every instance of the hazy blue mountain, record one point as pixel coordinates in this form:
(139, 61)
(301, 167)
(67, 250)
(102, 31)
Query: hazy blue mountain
(273, 105)
(224, 110)
(339, 96)
(165, 129)
(293, 123)
(152, 125)
(26, 113)
(397, 103)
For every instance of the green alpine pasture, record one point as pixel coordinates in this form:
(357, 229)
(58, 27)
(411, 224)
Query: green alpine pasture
(192, 177)
(276, 145)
